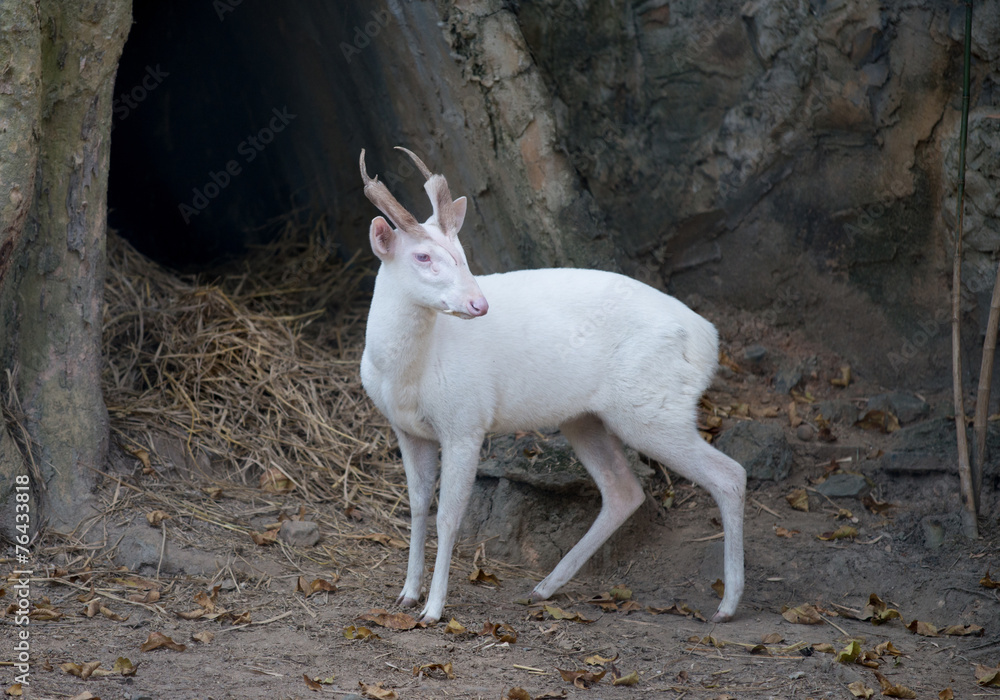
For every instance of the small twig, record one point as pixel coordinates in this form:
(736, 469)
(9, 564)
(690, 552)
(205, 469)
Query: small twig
(163, 548)
(836, 626)
(760, 505)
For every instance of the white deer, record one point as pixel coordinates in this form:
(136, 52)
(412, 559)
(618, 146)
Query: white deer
(603, 357)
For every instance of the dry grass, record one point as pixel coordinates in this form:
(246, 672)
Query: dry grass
(257, 369)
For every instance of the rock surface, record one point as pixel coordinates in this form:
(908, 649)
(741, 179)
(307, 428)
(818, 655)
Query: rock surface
(761, 448)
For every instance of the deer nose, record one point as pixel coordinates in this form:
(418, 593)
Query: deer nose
(478, 306)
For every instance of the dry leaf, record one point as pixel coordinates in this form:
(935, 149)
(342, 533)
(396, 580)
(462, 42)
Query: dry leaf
(850, 653)
(987, 582)
(683, 609)
(581, 679)
(630, 606)
(517, 694)
(480, 576)
(784, 532)
(83, 671)
(353, 632)
(310, 683)
(395, 621)
(455, 627)
(887, 648)
(560, 614)
(621, 593)
(387, 540)
(877, 611)
(598, 660)
(551, 695)
(844, 380)
(317, 585)
(987, 676)
(883, 421)
(274, 480)
(824, 647)
(213, 493)
(605, 601)
(946, 694)
(155, 640)
(377, 692)
(85, 695)
(92, 608)
(630, 679)
(155, 517)
(772, 638)
(760, 649)
(265, 538)
(124, 667)
(876, 506)
(799, 500)
(204, 636)
(112, 615)
(439, 671)
(844, 532)
(860, 690)
(142, 455)
(242, 619)
(893, 691)
(924, 629)
(803, 615)
(503, 632)
(963, 630)
(793, 416)
(15, 691)
(719, 587)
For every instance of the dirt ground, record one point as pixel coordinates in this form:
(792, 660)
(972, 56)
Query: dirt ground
(267, 638)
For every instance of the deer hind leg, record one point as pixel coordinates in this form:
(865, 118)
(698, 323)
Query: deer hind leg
(686, 453)
(621, 494)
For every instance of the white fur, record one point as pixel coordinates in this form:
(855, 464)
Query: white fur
(602, 356)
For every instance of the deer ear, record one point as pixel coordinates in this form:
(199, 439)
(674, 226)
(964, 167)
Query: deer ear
(382, 237)
(458, 208)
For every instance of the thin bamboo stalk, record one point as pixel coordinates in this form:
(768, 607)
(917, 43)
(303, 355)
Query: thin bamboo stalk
(969, 515)
(983, 393)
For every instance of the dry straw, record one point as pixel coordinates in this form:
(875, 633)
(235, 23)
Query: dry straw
(256, 370)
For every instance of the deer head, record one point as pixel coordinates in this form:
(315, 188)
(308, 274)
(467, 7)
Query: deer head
(425, 259)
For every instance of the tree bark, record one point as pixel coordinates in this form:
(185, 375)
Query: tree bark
(64, 58)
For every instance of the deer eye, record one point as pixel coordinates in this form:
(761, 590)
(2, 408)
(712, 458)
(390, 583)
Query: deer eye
(422, 257)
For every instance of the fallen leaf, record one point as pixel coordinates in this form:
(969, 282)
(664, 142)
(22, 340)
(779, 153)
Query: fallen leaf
(140, 454)
(883, 421)
(987, 676)
(630, 606)
(44, 614)
(581, 679)
(15, 691)
(155, 517)
(630, 679)
(242, 618)
(860, 690)
(155, 640)
(987, 582)
(439, 671)
(850, 653)
(844, 380)
(887, 648)
(148, 597)
(844, 532)
(876, 506)
(551, 695)
(877, 611)
(760, 649)
(621, 593)
(799, 500)
(824, 647)
(83, 671)
(719, 587)
(112, 615)
(784, 532)
(924, 629)
(683, 609)
(92, 608)
(213, 493)
(517, 694)
(310, 683)
(560, 614)
(480, 576)
(317, 585)
(964, 630)
(377, 692)
(273, 480)
(387, 540)
(124, 667)
(502, 631)
(605, 601)
(204, 636)
(946, 694)
(455, 627)
(772, 638)
(395, 621)
(598, 660)
(793, 416)
(806, 614)
(262, 539)
(353, 632)
(893, 691)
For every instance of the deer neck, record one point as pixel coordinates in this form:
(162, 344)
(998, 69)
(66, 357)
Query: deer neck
(398, 335)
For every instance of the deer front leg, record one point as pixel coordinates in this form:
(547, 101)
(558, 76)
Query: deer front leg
(420, 463)
(458, 473)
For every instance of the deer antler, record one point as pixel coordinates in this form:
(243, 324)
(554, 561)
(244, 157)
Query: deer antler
(437, 189)
(379, 195)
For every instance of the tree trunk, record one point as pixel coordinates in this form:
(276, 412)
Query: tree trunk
(57, 96)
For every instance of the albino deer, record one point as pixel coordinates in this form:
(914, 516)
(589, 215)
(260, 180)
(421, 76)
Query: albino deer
(604, 357)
